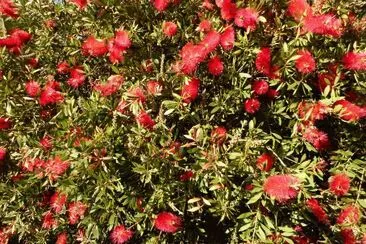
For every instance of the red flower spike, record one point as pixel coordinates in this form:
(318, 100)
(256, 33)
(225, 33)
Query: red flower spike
(81, 4)
(50, 96)
(260, 87)
(169, 29)
(265, 162)
(252, 105)
(186, 176)
(305, 64)
(218, 135)
(120, 235)
(246, 18)
(2, 153)
(298, 9)
(263, 61)
(122, 40)
(77, 77)
(204, 26)
(190, 90)
(49, 221)
(227, 38)
(138, 94)
(32, 88)
(349, 111)
(145, 120)
(317, 138)
(317, 210)
(76, 212)
(348, 236)
(355, 61)
(339, 184)
(94, 47)
(349, 215)
(5, 123)
(281, 187)
(215, 66)
(325, 24)
(63, 68)
(113, 84)
(46, 143)
(8, 8)
(168, 222)
(62, 238)
(55, 167)
(160, 5)
(228, 10)
(154, 87)
(58, 201)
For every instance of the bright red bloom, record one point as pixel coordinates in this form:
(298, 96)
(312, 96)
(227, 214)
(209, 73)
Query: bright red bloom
(145, 120)
(168, 222)
(46, 143)
(252, 105)
(50, 96)
(317, 138)
(114, 82)
(138, 94)
(53, 84)
(186, 175)
(355, 61)
(94, 47)
(63, 68)
(15, 40)
(32, 165)
(272, 93)
(215, 66)
(298, 9)
(348, 236)
(260, 87)
(5, 123)
(192, 55)
(76, 211)
(58, 201)
(349, 215)
(4, 235)
(160, 5)
(349, 111)
(81, 4)
(281, 187)
(263, 61)
(169, 29)
(33, 62)
(122, 40)
(265, 162)
(62, 238)
(339, 184)
(210, 42)
(32, 88)
(204, 26)
(8, 8)
(154, 87)
(48, 221)
(56, 167)
(190, 90)
(116, 54)
(227, 38)
(310, 112)
(317, 210)
(77, 77)
(228, 10)
(305, 63)
(218, 135)
(2, 153)
(246, 18)
(120, 234)
(121, 107)
(207, 5)
(325, 24)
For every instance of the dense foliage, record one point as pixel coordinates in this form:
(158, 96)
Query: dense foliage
(190, 121)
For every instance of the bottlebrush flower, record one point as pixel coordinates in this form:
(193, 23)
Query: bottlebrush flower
(94, 47)
(305, 63)
(265, 162)
(169, 29)
(58, 201)
(168, 222)
(15, 40)
(204, 26)
(50, 96)
(114, 82)
(272, 93)
(77, 77)
(281, 187)
(317, 138)
(33, 62)
(76, 211)
(5, 123)
(263, 61)
(147, 66)
(192, 55)
(62, 238)
(81, 4)
(160, 5)
(46, 143)
(33, 165)
(8, 8)
(121, 107)
(298, 9)
(227, 38)
(252, 105)
(50, 23)
(120, 235)
(186, 176)
(349, 111)
(260, 87)
(246, 18)
(207, 5)
(339, 184)
(63, 67)
(49, 221)
(55, 167)
(122, 39)
(153, 87)
(325, 24)
(355, 61)
(145, 120)
(138, 94)
(310, 112)
(349, 215)
(215, 66)
(116, 54)
(228, 10)
(317, 210)
(348, 236)
(189, 91)
(218, 135)
(210, 42)
(32, 88)
(2, 153)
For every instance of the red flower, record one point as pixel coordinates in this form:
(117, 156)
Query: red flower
(339, 184)
(138, 94)
(210, 42)
(349, 111)
(5, 123)
(154, 87)
(215, 66)
(76, 211)
(35, 164)
(32, 88)
(33, 62)
(161, 5)
(81, 4)
(227, 38)
(252, 105)
(186, 175)
(310, 112)
(145, 120)
(349, 215)
(115, 53)
(317, 138)
(77, 77)
(114, 82)
(62, 238)
(46, 143)
(317, 210)
(168, 222)
(94, 47)
(50, 23)
(148, 66)
(281, 187)
(348, 236)
(190, 90)
(247, 18)
(272, 93)
(305, 63)
(122, 105)
(263, 61)
(265, 162)
(355, 61)
(169, 28)
(325, 24)
(58, 201)
(63, 68)
(15, 40)
(192, 55)
(218, 135)
(122, 40)
(50, 96)
(228, 10)
(56, 167)
(207, 5)
(260, 87)
(298, 9)
(48, 221)
(2, 153)
(204, 26)
(120, 235)
(8, 8)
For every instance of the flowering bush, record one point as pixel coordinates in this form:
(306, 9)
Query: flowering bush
(170, 121)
